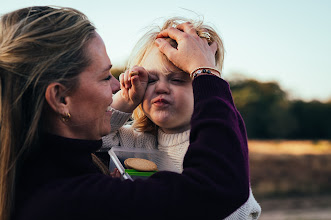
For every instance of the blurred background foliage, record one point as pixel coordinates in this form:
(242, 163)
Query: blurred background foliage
(269, 113)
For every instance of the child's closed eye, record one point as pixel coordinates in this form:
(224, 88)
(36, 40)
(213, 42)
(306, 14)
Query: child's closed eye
(152, 79)
(178, 81)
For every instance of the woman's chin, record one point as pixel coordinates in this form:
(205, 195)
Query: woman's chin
(105, 130)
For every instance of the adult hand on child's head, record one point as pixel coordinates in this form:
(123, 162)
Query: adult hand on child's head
(192, 51)
(133, 84)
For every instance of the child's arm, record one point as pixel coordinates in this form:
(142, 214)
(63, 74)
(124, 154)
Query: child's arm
(118, 119)
(133, 84)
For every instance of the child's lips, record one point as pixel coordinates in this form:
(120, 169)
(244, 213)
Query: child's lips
(161, 102)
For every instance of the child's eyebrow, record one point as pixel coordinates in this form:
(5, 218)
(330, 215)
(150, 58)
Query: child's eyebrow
(167, 73)
(152, 72)
(176, 73)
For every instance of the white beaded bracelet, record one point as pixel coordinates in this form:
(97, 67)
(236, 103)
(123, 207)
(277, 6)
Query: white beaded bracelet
(200, 70)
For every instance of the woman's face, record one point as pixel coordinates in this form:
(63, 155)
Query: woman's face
(90, 115)
(168, 100)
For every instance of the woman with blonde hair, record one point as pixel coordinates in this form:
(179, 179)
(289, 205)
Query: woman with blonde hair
(56, 91)
(162, 120)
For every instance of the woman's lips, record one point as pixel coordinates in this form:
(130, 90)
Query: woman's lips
(109, 110)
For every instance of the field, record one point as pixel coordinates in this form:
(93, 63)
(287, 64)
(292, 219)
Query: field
(292, 179)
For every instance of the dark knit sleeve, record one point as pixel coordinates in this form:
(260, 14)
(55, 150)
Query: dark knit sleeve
(218, 143)
(213, 185)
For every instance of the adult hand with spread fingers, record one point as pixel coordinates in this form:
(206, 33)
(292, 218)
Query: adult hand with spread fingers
(193, 51)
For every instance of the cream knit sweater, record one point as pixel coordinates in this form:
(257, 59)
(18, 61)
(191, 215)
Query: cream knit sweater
(175, 145)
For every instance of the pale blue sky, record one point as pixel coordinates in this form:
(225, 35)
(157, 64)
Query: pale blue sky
(287, 41)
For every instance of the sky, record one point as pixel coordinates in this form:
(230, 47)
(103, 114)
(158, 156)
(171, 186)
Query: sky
(287, 41)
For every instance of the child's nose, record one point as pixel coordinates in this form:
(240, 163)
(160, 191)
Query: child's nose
(162, 87)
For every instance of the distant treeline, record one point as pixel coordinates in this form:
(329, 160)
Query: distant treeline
(269, 114)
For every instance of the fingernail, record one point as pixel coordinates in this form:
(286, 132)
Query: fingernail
(134, 73)
(157, 42)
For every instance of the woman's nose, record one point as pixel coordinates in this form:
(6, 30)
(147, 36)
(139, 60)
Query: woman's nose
(115, 85)
(162, 87)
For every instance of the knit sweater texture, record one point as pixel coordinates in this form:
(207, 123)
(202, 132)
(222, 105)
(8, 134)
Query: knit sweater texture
(175, 145)
(60, 181)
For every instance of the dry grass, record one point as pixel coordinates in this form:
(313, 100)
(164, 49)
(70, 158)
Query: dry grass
(301, 147)
(290, 167)
(292, 179)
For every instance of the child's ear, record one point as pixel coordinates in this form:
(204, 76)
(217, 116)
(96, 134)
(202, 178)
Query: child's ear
(56, 97)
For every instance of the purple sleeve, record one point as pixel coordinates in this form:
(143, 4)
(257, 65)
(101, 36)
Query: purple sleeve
(214, 182)
(218, 143)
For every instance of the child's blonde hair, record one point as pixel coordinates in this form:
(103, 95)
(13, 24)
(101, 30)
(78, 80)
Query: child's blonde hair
(141, 122)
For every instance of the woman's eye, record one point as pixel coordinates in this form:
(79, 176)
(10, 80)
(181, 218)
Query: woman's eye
(108, 77)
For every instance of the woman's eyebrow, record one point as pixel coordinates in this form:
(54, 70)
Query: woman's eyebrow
(108, 68)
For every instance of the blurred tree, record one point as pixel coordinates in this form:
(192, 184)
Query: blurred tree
(116, 71)
(269, 114)
(313, 119)
(264, 107)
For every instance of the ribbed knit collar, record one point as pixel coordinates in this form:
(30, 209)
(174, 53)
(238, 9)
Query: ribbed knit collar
(69, 145)
(170, 140)
(65, 156)
(56, 158)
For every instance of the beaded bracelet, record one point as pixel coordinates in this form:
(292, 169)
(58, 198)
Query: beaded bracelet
(200, 70)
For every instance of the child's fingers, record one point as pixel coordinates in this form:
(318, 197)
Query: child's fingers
(133, 73)
(126, 80)
(121, 78)
(133, 77)
(139, 71)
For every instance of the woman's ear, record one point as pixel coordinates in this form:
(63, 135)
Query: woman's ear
(56, 97)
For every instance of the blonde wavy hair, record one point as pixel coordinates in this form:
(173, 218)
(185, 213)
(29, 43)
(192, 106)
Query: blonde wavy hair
(38, 46)
(141, 122)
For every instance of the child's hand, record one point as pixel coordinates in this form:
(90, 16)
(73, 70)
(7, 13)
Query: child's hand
(116, 173)
(133, 84)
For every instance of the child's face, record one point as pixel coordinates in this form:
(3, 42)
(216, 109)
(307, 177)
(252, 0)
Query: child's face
(168, 100)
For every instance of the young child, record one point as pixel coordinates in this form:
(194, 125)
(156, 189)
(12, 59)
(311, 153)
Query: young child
(162, 120)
